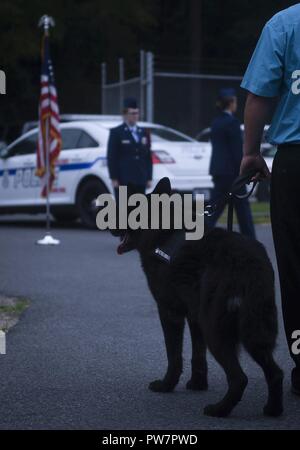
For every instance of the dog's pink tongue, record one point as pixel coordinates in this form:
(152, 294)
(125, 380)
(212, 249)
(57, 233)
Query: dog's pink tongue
(120, 248)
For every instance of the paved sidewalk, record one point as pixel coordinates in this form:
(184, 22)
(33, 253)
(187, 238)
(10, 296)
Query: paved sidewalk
(84, 352)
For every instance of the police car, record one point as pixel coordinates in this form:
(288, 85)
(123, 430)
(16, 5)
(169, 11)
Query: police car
(81, 170)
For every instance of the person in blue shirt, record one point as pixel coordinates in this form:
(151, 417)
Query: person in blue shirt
(274, 71)
(227, 152)
(129, 152)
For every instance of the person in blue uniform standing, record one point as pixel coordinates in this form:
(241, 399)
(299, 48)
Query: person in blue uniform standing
(274, 71)
(129, 153)
(227, 152)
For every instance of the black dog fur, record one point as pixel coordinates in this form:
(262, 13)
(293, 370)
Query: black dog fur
(223, 285)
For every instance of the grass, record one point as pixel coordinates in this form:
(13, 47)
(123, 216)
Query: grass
(260, 213)
(11, 309)
(17, 309)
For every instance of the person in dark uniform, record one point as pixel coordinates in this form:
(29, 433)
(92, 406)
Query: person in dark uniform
(129, 153)
(227, 152)
(274, 71)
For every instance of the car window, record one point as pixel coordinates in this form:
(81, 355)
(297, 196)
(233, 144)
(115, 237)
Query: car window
(70, 138)
(166, 134)
(204, 136)
(73, 138)
(27, 146)
(86, 141)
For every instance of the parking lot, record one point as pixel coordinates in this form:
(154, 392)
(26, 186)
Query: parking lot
(83, 353)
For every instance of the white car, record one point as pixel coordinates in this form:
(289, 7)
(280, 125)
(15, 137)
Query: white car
(81, 170)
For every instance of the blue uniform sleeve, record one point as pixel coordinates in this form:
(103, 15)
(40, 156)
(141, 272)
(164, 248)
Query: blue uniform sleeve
(265, 71)
(112, 156)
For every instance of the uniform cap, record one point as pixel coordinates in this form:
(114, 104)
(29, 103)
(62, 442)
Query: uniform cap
(130, 102)
(227, 92)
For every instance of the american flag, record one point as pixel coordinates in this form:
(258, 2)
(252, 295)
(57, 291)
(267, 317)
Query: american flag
(49, 140)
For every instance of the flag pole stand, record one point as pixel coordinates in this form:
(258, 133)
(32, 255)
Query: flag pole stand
(48, 240)
(46, 22)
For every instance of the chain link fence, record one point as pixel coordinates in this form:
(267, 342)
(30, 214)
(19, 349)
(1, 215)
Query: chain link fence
(140, 87)
(185, 101)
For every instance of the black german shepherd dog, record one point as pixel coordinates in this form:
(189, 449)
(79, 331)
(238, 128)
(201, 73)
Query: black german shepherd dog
(223, 285)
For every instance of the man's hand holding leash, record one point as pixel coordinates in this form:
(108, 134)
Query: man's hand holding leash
(252, 162)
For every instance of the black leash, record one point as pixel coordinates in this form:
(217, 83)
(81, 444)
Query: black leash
(169, 249)
(229, 198)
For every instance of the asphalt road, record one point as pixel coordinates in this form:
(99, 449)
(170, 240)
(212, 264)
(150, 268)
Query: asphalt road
(84, 352)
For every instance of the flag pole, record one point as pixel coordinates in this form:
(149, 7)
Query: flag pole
(45, 22)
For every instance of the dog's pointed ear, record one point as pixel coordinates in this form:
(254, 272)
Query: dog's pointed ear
(163, 187)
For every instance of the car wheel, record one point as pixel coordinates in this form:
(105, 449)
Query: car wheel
(86, 202)
(263, 191)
